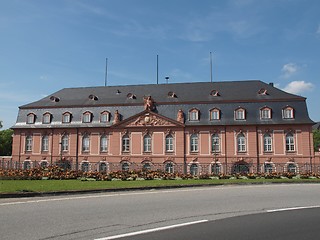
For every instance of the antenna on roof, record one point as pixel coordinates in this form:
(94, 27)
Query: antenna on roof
(157, 69)
(106, 74)
(210, 67)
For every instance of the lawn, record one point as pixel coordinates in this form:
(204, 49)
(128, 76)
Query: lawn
(16, 186)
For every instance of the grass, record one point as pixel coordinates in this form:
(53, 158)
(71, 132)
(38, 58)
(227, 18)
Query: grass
(16, 186)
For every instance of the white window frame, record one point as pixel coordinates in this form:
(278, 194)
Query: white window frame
(241, 143)
(194, 115)
(240, 114)
(104, 143)
(290, 143)
(31, 118)
(147, 143)
(125, 143)
(46, 118)
(65, 143)
(29, 143)
(66, 117)
(86, 117)
(267, 142)
(86, 143)
(105, 117)
(265, 113)
(215, 143)
(215, 114)
(45, 143)
(194, 143)
(169, 143)
(288, 113)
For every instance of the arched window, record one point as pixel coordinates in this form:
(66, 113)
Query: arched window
(194, 142)
(31, 118)
(103, 143)
(194, 114)
(289, 142)
(265, 113)
(168, 167)
(125, 143)
(214, 114)
(147, 143)
(240, 114)
(65, 143)
(46, 118)
(45, 143)
(87, 117)
(105, 117)
(287, 113)
(215, 143)
(29, 143)
(85, 143)
(169, 143)
(66, 117)
(125, 166)
(194, 169)
(292, 168)
(241, 142)
(267, 142)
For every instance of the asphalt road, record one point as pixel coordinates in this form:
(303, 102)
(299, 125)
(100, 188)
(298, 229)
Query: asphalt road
(105, 215)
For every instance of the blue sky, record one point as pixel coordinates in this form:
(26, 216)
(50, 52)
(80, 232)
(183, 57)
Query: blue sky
(48, 45)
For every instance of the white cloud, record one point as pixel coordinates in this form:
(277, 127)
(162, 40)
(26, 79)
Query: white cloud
(298, 87)
(289, 70)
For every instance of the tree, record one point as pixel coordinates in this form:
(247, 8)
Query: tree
(1, 124)
(316, 139)
(6, 142)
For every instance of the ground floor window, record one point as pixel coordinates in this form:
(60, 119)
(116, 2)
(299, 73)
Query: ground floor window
(44, 164)
(125, 166)
(168, 167)
(27, 165)
(242, 168)
(292, 168)
(216, 168)
(268, 168)
(85, 166)
(103, 167)
(146, 166)
(194, 169)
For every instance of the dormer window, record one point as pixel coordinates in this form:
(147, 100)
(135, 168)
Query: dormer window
(214, 93)
(66, 117)
(172, 95)
(105, 117)
(86, 117)
(265, 113)
(263, 91)
(46, 118)
(215, 114)
(54, 99)
(131, 96)
(240, 114)
(287, 113)
(194, 115)
(31, 118)
(93, 97)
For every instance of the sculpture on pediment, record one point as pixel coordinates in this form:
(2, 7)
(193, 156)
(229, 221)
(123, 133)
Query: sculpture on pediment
(148, 103)
(116, 117)
(180, 116)
(150, 120)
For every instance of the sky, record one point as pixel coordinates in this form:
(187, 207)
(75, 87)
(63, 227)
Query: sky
(49, 45)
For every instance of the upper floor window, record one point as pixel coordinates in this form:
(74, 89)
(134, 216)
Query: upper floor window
(287, 113)
(105, 117)
(86, 117)
(215, 143)
(214, 114)
(86, 143)
(66, 117)
(267, 142)
(31, 118)
(103, 143)
(194, 140)
(29, 143)
(147, 143)
(289, 142)
(45, 143)
(65, 143)
(46, 118)
(194, 114)
(240, 114)
(241, 142)
(126, 143)
(265, 113)
(169, 143)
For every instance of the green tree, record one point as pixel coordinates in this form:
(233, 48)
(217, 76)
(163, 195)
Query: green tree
(316, 139)
(6, 142)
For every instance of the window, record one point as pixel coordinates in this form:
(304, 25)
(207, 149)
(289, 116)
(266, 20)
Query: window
(268, 167)
(125, 143)
(267, 142)
(292, 168)
(31, 118)
(147, 143)
(103, 167)
(46, 118)
(45, 143)
(240, 114)
(85, 166)
(29, 143)
(65, 143)
(241, 142)
(125, 166)
(168, 168)
(105, 117)
(265, 113)
(169, 143)
(215, 143)
(44, 164)
(146, 166)
(86, 118)
(215, 114)
(66, 117)
(194, 169)
(27, 165)
(194, 143)
(103, 143)
(216, 168)
(194, 115)
(288, 113)
(289, 142)
(85, 143)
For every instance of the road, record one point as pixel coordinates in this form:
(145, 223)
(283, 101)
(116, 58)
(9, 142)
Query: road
(100, 216)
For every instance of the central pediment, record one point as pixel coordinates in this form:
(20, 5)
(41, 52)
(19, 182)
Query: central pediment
(148, 118)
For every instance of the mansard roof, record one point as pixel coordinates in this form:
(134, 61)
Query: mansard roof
(177, 93)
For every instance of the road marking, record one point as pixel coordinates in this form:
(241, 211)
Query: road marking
(151, 230)
(292, 208)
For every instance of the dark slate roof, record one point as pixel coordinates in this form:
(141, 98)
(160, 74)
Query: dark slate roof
(188, 95)
(185, 92)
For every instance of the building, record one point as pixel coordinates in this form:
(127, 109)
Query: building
(203, 127)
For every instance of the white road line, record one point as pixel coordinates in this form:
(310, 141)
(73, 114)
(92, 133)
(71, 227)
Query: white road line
(151, 230)
(292, 208)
